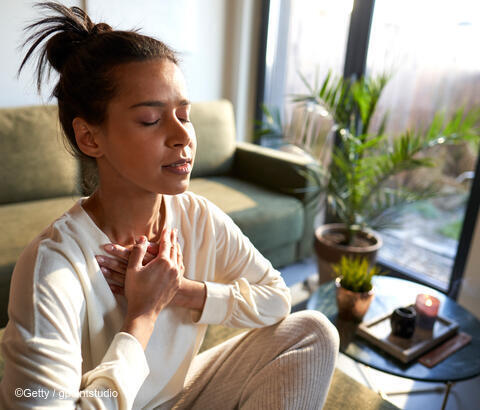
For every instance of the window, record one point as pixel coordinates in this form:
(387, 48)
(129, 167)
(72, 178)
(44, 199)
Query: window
(428, 49)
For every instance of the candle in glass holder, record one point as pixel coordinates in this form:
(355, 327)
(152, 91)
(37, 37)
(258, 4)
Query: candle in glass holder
(426, 307)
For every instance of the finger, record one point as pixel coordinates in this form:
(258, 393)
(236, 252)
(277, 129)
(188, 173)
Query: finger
(137, 253)
(117, 250)
(173, 248)
(111, 263)
(124, 253)
(112, 275)
(153, 248)
(117, 290)
(164, 244)
(179, 256)
(148, 257)
(111, 282)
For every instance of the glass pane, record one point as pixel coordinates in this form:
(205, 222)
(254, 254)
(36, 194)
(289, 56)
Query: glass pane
(429, 49)
(318, 32)
(315, 44)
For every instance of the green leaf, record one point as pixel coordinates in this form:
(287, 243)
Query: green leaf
(356, 273)
(306, 83)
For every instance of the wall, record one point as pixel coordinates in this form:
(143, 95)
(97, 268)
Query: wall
(216, 40)
(14, 16)
(470, 290)
(194, 29)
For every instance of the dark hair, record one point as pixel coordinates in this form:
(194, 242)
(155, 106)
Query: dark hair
(84, 54)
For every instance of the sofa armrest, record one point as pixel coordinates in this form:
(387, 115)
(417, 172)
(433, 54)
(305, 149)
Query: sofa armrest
(273, 169)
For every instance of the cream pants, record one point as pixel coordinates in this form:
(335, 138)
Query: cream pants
(285, 366)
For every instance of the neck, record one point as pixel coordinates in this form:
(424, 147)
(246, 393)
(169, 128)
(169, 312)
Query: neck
(124, 216)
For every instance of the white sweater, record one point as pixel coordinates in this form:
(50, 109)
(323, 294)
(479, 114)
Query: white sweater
(62, 345)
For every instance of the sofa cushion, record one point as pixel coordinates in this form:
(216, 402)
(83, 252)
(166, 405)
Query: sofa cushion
(270, 219)
(23, 222)
(215, 129)
(283, 255)
(27, 220)
(37, 165)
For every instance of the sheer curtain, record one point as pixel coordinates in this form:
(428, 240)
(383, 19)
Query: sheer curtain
(317, 39)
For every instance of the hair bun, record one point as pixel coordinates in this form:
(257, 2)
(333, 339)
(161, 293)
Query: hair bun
(71, 27)
(61, 46)
(100, 28)
(64, 44)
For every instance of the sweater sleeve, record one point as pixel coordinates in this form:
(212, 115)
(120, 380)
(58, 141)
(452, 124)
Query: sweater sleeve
(247, 291)
(42, 346)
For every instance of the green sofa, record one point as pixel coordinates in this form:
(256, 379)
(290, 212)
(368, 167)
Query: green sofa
(254, 185)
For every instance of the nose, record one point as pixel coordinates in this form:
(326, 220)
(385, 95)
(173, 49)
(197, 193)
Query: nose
(178, 134)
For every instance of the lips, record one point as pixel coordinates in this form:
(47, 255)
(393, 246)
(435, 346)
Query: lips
(183, 166)
(179, 163)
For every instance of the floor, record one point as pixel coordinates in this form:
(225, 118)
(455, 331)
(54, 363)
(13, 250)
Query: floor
(301, 278)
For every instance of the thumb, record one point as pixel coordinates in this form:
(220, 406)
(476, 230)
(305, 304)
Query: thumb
(137, 253)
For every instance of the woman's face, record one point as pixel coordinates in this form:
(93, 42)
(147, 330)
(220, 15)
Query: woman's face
(147, 140)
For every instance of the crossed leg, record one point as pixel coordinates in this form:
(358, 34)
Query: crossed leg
(285, 366)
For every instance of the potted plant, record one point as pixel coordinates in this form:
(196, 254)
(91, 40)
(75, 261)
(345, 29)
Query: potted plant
(358, 184)
(354, 290)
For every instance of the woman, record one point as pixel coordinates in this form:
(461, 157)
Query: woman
(75, 339)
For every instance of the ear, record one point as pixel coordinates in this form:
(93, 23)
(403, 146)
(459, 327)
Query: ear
(87, 137)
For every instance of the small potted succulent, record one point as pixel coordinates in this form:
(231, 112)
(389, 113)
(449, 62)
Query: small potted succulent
(354, 286)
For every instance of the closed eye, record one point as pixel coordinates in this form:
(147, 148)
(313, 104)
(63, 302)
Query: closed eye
(148, 124)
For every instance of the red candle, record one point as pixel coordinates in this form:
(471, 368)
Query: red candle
(426, 307)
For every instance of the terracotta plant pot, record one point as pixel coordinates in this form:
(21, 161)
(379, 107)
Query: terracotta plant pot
(352, 306)
(329, 249)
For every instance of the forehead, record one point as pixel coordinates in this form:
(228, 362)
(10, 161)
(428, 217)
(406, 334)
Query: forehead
(158, 79)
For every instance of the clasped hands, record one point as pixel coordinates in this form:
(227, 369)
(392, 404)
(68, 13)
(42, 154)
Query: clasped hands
(151, 272)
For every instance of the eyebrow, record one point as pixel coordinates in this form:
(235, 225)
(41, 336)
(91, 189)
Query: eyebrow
(156, 103)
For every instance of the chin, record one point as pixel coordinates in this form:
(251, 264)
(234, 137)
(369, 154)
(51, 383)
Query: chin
(175, 190)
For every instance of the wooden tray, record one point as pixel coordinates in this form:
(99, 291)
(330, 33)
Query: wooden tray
(379, 332)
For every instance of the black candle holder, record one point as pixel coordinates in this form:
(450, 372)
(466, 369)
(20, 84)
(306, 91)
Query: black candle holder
(403, 321)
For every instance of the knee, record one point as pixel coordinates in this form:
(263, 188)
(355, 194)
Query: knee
(315, 325)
